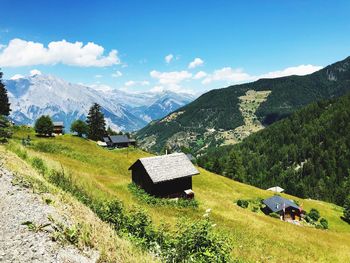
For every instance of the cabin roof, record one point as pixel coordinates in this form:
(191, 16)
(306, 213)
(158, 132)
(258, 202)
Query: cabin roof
(276, 203)
(167, 167)
(119, 139)
(58, 123)
(276, 189)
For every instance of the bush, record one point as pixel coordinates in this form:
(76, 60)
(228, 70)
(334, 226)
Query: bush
(140, 194)
(314, 214)
(324, 223)
(39, 165)
(242, 203)
(199, 242)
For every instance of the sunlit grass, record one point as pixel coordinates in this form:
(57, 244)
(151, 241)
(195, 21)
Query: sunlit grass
(256, 237)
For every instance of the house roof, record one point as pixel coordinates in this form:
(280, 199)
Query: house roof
(276, 189)
(106, 139)
(167, 167)
(119, 139)
(276, 203)
(58, 123)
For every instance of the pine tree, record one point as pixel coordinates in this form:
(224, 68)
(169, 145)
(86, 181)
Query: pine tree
(234, 167)
(96, 123)
(5, 129)
(4, 100)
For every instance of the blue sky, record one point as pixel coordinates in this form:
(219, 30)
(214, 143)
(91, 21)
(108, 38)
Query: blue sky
(228, 42)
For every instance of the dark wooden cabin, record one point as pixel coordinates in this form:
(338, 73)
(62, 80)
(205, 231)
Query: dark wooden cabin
(58, 127)
(165, 176)
(119, 141)
(287, 209)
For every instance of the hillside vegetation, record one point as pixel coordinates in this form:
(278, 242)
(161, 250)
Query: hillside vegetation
(200, 124)
(307, 153)
(253, 236)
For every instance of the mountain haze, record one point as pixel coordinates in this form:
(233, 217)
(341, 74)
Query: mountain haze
(37, 95)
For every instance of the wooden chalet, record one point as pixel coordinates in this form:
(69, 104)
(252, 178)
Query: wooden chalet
(287, 209)
(165, 176)
(58, 127)
(119, 141)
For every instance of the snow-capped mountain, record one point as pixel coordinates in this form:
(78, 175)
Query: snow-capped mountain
(37, 95)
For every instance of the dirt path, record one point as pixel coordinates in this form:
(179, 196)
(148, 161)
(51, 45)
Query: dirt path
(19, 244)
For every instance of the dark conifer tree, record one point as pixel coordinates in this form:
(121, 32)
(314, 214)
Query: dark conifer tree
(4, 100)
(96, 123)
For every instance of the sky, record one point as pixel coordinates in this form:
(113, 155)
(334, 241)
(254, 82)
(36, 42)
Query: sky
(185, 45)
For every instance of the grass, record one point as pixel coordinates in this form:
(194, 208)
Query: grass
(256, 237)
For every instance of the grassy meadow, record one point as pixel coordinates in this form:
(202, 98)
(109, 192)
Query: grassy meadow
(255, 237)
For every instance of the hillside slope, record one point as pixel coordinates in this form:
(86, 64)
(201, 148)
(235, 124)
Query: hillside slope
(307, 153)
(254, 236)
(205, 122)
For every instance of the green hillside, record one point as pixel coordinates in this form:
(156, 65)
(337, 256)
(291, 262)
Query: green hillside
(253, 236)
(206, 121)
(307, 153)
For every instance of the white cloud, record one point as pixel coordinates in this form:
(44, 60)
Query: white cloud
(131, 83)
(200, 75)
(298, 70)
(195, 63)
(170, 78)
(117, 74)
(26, 53)
(98, 76)
(227, 74)
(17, 76)
(169, 58)
(232, 76)
(34, 72)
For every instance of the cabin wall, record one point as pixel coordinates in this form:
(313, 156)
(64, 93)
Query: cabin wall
(165, 189)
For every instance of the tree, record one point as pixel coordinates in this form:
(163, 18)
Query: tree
(5, 129)
(347, 209)
(80, 127)
(96, 123)
(4, 100)
(314, 214)
(234, 166)
(44, 126)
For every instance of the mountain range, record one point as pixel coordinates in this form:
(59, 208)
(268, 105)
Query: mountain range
(228, 115)
(37, 95)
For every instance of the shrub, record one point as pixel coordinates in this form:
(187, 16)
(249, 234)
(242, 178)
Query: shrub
(324, 223)
(242, 203)
(314, 214)
(199, 242)
(140, 194)
(39, 165)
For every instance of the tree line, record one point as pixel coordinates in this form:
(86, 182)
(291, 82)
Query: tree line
(307, 154)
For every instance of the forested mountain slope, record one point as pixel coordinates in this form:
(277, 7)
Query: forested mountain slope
(214, 117)
(307, 153)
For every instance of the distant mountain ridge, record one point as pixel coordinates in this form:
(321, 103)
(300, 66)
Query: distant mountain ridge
(213, 118)
(36, 95)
